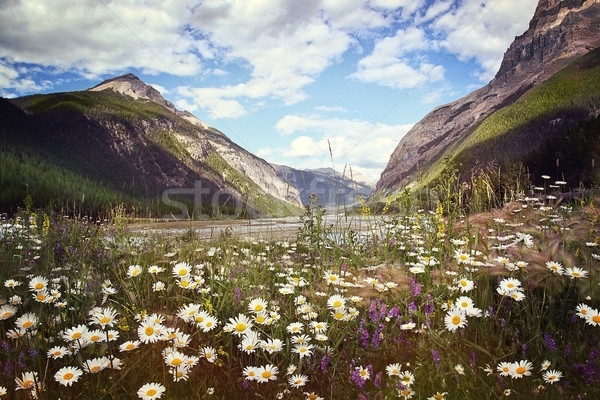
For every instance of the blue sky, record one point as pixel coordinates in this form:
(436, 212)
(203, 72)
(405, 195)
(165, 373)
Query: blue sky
(286, 79)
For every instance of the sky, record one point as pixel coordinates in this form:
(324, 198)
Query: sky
(304, 83)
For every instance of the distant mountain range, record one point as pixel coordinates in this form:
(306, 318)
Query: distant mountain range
(539, 113)
(335, 191)
(121, 142)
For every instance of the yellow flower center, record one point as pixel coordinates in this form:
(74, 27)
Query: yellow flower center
(6, 314)
(105, 320)
(68, 376)
(240, 327)
(185, 283)
(95, 368)
(260, 319)
(584, 311)
(312, 396)
(94, 338)
(151, 392)
(333, 278)
(210, 355)
(510, 285)
(76, 335)
(298, 381)
(463, 282)
(596, 319)
(520, 370)
(259, 307)
(149, 331)
(41, 297)
(199, 319)
(27, 324)
(266, 374)
(505, 369)
(576, 274)
(337, 304)
(182, 272)
(57, 353)
(464, 304)
(363, 373)
(38, 286)
(26, 384)
(176, 361)
(553, 377)
(456, 320)
(439, 396)
(130, 346)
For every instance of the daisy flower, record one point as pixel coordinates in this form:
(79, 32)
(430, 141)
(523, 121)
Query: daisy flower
(336, 302)
(149, 332)
(593, 317)
(67, 375)
(11, 283)
(505, 368)
(57, 352)
(462, 257)
(7, 311)
(38, 283)
(257, 305)
(297, 380)
(545, 365)
(393, 369)
(239, 325)
(75, 333)
(175, 358)
(267, 373)
(459, 369)
(155, 269)
(158, 286)
(465, 285)
(106, 317)
(319, 327)
(552, 376)
(312, 396)
(464, 303)
(26, 321)
(27, 380)
(407, 378)
(575, 272)
(181, 269)
(455, 319)
(209, 353)
(129, 345)
(406, 393)
(303, 349)
(96, 365)
(555, 267)
(250, 373)
(363, 372)
(295, 327)
(583, 310)
(332, 279)
(438, 396)
(521, 368)
(134, 270)
(509, 284)
(151, 391)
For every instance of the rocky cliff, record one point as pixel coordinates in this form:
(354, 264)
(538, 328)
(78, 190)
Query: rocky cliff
(559, 32)
(208, 138)
(333, 189)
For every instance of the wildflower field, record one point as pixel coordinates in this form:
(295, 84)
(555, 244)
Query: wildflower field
(423, 306)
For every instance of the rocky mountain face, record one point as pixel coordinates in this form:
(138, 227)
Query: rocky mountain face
(332, 188)
(255, 168)
(123, 135)
(559, 32)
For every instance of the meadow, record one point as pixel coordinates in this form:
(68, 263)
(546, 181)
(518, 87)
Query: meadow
(424, 305)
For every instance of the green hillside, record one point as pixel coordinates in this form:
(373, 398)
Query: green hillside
(556, 119)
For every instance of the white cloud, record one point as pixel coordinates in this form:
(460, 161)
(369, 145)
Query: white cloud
(356, 142)
(94, 38)
(483, 30)
(214, 100)
(389, 63)
(183, 104)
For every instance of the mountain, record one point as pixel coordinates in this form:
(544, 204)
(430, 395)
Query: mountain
(559, 33)
(332, 188)
(122, 142)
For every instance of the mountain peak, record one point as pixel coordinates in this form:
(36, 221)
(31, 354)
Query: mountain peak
(131, 85)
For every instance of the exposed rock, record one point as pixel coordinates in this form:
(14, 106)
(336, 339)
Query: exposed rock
(559, 32)
(207, 138)
(332, 188)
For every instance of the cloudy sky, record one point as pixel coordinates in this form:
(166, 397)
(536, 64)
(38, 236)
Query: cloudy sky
(286, 79)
